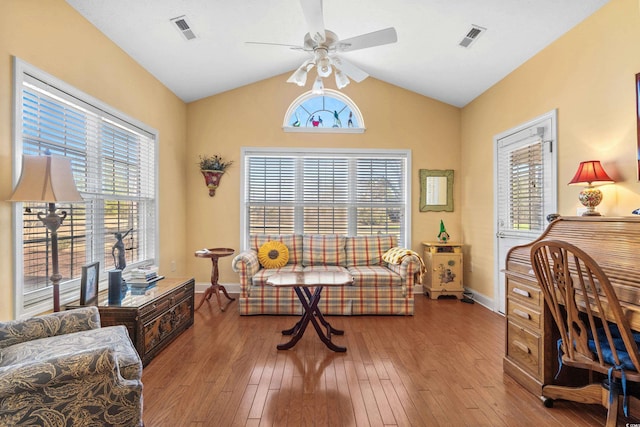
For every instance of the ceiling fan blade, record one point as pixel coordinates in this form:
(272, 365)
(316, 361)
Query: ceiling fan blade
(312, 10)
(376, 38)
(290, 46)
(349, 69)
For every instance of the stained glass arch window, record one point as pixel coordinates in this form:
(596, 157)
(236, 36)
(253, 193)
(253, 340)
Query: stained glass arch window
(330, 112)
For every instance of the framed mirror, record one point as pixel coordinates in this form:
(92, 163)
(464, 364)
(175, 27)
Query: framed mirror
(436, 190)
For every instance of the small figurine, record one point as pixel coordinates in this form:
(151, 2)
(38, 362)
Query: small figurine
(296, 124)
(336, 120)
(443, 236)
(117, 251)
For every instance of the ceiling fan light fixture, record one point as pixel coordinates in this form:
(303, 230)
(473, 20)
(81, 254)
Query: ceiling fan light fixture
(318, 87)
(324, 67)
(300, 76)
(341, 79)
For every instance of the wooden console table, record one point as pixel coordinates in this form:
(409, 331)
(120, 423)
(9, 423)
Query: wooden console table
(155, 318)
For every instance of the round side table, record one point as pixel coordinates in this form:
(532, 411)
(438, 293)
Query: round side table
(214, 254)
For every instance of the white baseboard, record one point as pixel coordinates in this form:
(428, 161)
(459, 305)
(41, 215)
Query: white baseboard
(232, 288)
(481, 299)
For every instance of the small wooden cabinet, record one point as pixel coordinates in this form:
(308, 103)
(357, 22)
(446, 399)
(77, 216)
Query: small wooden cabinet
(154, 319)
(444, 269)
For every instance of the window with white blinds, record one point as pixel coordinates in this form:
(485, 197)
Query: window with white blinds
(113, 162)
(326, 192)
(522, 172)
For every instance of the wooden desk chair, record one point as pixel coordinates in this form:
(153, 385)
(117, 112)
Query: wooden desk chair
(566, 274)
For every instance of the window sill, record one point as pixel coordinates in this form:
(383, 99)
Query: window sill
(322, 130)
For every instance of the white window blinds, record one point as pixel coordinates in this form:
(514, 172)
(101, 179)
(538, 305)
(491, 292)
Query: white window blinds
(521, 172)
(113, 163)
(321, 192)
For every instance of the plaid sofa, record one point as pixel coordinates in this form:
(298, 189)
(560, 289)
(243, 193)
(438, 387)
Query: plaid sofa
(378, 287)
(63, 369)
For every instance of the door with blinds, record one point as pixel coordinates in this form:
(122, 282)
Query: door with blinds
(525, 188)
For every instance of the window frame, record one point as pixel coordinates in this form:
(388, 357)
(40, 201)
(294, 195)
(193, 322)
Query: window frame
(69, 290)
(327, 93)
(372, 153)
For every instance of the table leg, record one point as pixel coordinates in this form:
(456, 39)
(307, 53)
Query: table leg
(330, 329)
(310, 307)
(215, 287)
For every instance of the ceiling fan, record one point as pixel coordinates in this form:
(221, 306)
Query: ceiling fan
(324, 45)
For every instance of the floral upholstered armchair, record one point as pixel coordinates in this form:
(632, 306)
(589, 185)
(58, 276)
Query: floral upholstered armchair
(63, 369)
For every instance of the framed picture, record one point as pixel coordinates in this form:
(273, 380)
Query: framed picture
(89, 284)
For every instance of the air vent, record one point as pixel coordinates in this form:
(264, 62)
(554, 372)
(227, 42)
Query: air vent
(472, 35)
(183, 26)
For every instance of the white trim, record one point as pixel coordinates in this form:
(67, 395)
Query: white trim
(20, 69)
(553, 138)
(329, 152)
(292, 129)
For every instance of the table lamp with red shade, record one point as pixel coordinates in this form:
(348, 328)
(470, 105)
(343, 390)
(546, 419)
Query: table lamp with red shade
(590, 173)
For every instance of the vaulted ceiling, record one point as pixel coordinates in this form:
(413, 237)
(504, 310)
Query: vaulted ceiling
(427, 58)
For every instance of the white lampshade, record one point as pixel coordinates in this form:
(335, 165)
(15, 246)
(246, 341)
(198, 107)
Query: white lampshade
(341, 79)
(299, 77)
(324, 67)
(318, 87)
(46, 179)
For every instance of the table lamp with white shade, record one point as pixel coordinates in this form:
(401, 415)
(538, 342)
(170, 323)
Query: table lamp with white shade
(48, 179)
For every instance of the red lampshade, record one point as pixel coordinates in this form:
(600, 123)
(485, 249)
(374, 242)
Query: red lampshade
(589, 172)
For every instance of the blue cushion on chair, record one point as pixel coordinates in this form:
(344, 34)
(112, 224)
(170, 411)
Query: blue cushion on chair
(625, 359)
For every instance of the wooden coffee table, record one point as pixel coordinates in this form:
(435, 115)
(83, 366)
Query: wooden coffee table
(301, 284)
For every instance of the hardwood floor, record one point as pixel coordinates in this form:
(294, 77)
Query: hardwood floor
(440, 367)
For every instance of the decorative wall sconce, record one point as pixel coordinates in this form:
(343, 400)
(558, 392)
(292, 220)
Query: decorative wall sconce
(591, 172)
(212, 168)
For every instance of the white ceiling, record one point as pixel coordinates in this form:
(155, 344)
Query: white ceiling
(426, 59)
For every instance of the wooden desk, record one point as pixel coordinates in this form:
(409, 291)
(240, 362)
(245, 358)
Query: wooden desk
(301, 282)
(530, 350)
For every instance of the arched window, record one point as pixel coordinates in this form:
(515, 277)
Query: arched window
(331, 112)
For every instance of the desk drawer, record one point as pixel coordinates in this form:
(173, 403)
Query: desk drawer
(525, 293)
(523, 347)
(524, 314)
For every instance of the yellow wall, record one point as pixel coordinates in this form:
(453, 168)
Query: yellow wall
(55, 38)
(589, 76)
(252, 116)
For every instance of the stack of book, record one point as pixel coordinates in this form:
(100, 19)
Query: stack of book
(144, 277)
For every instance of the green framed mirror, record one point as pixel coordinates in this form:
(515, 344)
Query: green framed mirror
(436, 190)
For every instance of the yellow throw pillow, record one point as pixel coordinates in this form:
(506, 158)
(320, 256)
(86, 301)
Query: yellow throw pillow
(273, 254)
